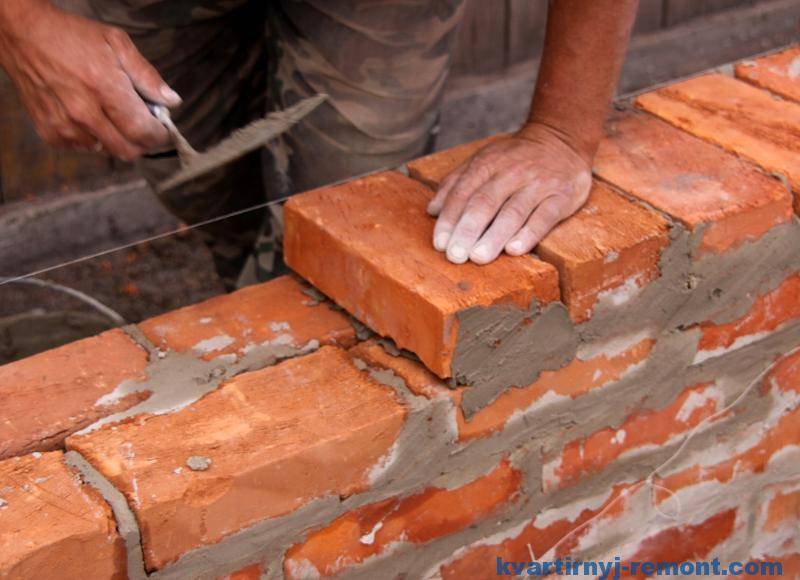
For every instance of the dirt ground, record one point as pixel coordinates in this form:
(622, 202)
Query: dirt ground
(137, 283)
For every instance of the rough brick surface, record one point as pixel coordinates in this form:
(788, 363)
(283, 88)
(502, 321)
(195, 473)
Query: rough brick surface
(778, 73)
(736, 116)
(278, 312)
(768, 313)
(433, 168)
(46, 397)
(276, 439)
(54, 526)
(610, 244)
(367, 245)
(691, 180)
(379, 528)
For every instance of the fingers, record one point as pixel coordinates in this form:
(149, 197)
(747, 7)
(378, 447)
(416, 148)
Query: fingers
(479, 211)
(544, 218)
(509, 221)
(129, 114)
(143, 75)
(475, 174)
(87, 114)
(435, 205)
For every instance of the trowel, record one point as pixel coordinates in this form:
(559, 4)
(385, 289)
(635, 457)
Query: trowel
(237, 144)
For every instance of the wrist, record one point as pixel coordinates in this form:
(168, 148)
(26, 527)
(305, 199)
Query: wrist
(556, 137)
(15, 13)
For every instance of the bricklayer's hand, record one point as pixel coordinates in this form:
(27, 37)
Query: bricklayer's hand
(79, 79)
(509, 196)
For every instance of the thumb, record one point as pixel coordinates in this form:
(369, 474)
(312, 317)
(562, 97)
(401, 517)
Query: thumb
(143, 75)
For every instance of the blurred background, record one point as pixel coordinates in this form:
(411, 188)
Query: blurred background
(58, 206)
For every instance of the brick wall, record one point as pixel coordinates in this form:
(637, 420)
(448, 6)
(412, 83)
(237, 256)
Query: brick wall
(631, 390)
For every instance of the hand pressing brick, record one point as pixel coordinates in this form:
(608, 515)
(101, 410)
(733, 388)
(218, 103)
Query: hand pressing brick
(367, 245)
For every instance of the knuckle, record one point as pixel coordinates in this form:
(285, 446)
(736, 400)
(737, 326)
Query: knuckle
(80, 112)
(117, 35)
(482, 200)
(517, 212)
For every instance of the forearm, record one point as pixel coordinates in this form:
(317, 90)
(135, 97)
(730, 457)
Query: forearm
(584, 50)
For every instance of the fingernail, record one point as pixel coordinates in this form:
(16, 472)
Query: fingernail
(457, 254)
(480, 253)
(440, 241)
(516, 248)
(171, 96)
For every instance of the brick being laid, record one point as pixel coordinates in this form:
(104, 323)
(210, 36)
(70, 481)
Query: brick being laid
(367, 245)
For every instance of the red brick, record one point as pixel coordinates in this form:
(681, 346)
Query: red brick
(277, 312)
(252, 572)
(52, 525)
(48, 396)
(778, 73)
(277, 438)
(584, 458)
(478, 561)
(367, 244)
(691, 180)
(685, 543)
(736, 116)
(783, 508)
(376, 529)
(769, 312)
(609, 244)
(573, 380)
(433, 168)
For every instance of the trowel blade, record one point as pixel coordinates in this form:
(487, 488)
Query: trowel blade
(240, 142)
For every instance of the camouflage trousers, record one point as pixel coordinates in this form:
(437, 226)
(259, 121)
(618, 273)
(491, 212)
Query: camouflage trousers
(383, 63)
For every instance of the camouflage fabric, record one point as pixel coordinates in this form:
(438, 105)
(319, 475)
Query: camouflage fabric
(382, 62)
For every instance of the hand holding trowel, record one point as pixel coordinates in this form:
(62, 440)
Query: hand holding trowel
(239, 143)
